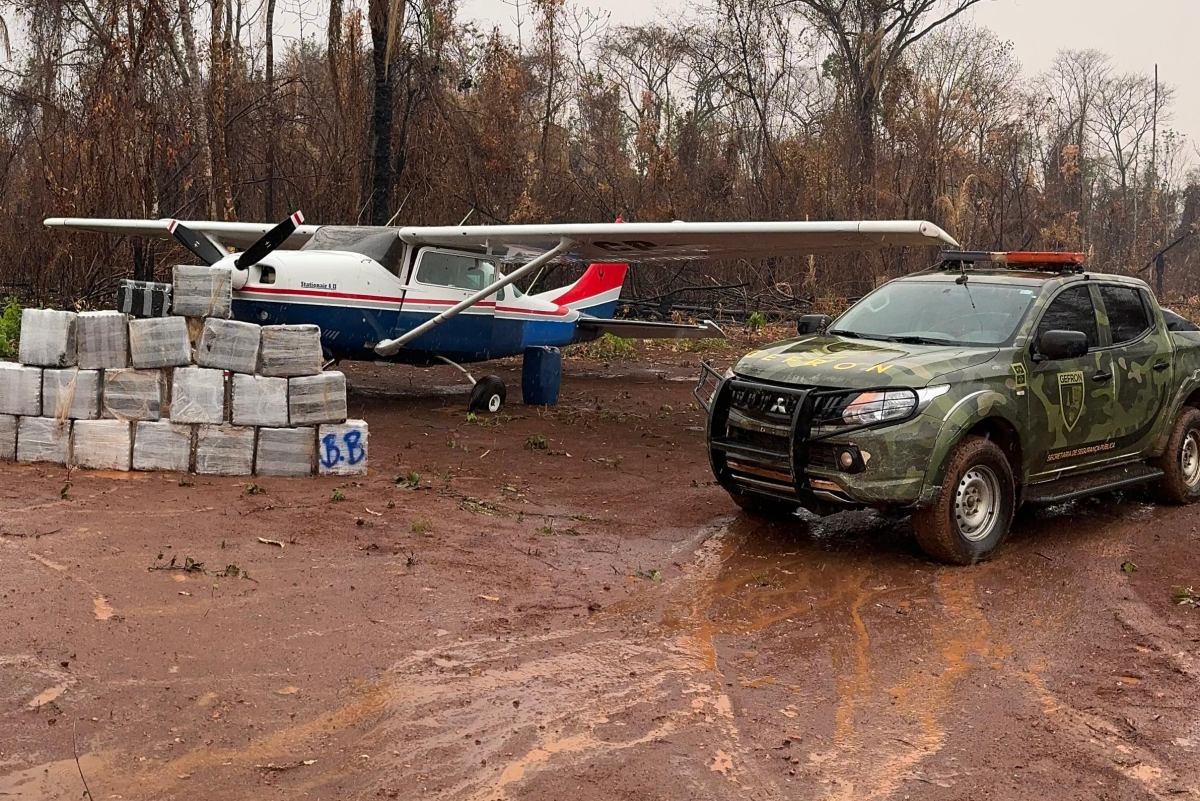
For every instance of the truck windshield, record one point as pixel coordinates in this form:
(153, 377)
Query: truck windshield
(937, 313)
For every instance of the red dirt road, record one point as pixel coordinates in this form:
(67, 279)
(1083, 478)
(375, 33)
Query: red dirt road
(593, 619)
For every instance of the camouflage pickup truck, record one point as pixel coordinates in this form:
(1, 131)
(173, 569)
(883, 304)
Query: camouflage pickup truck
(959, 394)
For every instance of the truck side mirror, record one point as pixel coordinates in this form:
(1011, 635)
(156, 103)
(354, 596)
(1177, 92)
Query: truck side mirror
(1060, 344)
(812, 323)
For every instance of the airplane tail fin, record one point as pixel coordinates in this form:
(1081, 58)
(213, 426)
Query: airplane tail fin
(596, 292)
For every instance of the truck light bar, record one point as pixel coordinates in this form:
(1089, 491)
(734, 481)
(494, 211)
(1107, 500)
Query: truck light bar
(1035, 260)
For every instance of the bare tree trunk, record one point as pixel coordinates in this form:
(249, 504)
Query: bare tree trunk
(272, 110)
(192, 80)
(381, 114)
(222, 201)
(334, 37)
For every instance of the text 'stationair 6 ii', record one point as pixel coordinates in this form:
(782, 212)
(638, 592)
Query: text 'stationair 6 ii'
(960, 393)
(427, 294)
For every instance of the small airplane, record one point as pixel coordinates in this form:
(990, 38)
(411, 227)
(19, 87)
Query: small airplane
(421, 295)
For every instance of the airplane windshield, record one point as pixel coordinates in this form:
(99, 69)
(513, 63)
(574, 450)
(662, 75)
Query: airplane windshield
(384, 247)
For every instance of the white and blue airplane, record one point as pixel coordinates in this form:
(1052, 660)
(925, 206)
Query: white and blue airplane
(422, 295)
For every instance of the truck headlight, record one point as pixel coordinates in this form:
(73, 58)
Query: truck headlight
(868, 408)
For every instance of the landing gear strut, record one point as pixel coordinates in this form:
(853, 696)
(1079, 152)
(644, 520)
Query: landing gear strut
(487, 394)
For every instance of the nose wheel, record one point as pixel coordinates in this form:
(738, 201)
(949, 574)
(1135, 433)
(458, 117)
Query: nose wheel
(487, 394)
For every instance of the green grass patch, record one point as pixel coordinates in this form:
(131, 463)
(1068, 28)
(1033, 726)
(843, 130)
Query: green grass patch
(10, 328)
(605, 349)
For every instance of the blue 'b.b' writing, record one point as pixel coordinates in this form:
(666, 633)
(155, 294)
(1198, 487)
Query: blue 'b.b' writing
(355, 452)
(332, 454)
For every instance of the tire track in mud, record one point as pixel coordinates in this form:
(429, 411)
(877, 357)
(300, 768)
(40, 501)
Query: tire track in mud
(1110, 741)
(871, 761)
(884, 724)
(890, 718)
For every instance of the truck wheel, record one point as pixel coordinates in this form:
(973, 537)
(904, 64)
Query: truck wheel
(975, 508)
(764, 507)
(1180, 462)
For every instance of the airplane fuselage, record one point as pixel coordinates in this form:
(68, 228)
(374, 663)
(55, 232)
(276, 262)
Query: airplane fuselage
(358, 302)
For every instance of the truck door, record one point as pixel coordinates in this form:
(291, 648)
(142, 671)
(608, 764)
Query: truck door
(1140, 352)
(1071, 401)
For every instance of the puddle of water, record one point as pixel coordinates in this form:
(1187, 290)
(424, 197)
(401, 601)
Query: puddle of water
(48, 695)
(515, 771)
(51, 781)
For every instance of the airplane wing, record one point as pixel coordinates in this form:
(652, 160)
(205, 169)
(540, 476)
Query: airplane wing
(629, 242)
(236, 235)
(638, 329)
(676, 241)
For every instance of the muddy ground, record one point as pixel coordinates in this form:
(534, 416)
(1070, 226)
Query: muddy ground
(590, 619)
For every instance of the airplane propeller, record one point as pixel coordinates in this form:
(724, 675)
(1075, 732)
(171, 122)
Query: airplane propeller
(199, 244)
(269, 241)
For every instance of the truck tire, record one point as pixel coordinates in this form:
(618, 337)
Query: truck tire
(974, 510)
(1180, 462)
(764, 507)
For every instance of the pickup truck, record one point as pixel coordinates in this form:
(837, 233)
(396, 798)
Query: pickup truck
(959, 393)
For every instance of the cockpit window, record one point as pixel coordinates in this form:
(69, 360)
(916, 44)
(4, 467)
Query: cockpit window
(456, 270)
(384, 247)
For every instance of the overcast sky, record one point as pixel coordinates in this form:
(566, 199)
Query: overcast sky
(1137, 33)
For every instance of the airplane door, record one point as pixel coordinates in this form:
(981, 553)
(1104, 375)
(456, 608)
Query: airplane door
(439, 280)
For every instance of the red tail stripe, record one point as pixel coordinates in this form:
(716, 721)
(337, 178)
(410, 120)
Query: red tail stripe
(598, 279)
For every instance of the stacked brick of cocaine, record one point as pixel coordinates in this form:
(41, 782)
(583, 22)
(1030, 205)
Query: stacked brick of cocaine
(193, 391)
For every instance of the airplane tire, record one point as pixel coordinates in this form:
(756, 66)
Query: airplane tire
(487, 395)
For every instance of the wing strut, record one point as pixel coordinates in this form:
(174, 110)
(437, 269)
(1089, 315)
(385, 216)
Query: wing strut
(391, 346)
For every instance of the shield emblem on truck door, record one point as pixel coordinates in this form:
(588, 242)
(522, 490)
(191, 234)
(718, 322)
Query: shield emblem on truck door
(1070, 397)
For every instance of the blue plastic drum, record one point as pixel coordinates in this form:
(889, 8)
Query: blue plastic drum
(541, 376)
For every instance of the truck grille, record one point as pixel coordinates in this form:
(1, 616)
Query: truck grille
(765, 402)
(823, 454)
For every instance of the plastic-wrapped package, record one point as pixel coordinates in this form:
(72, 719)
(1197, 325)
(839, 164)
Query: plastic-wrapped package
(102, 340)
(229, 345)
(43, 439)
(342, 449)
(290, 350)
(133, 394)
(317, 398)
(8, 438)
(286, 451)
(202, 292)
(159, 342)
(102, 444)
(224, 450)
(48, 337)
(162, 446)
(260, 401)
(20, 389)
(198, 395)
(71, 393)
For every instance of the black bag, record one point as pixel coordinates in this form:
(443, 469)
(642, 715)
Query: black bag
(143, 298)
